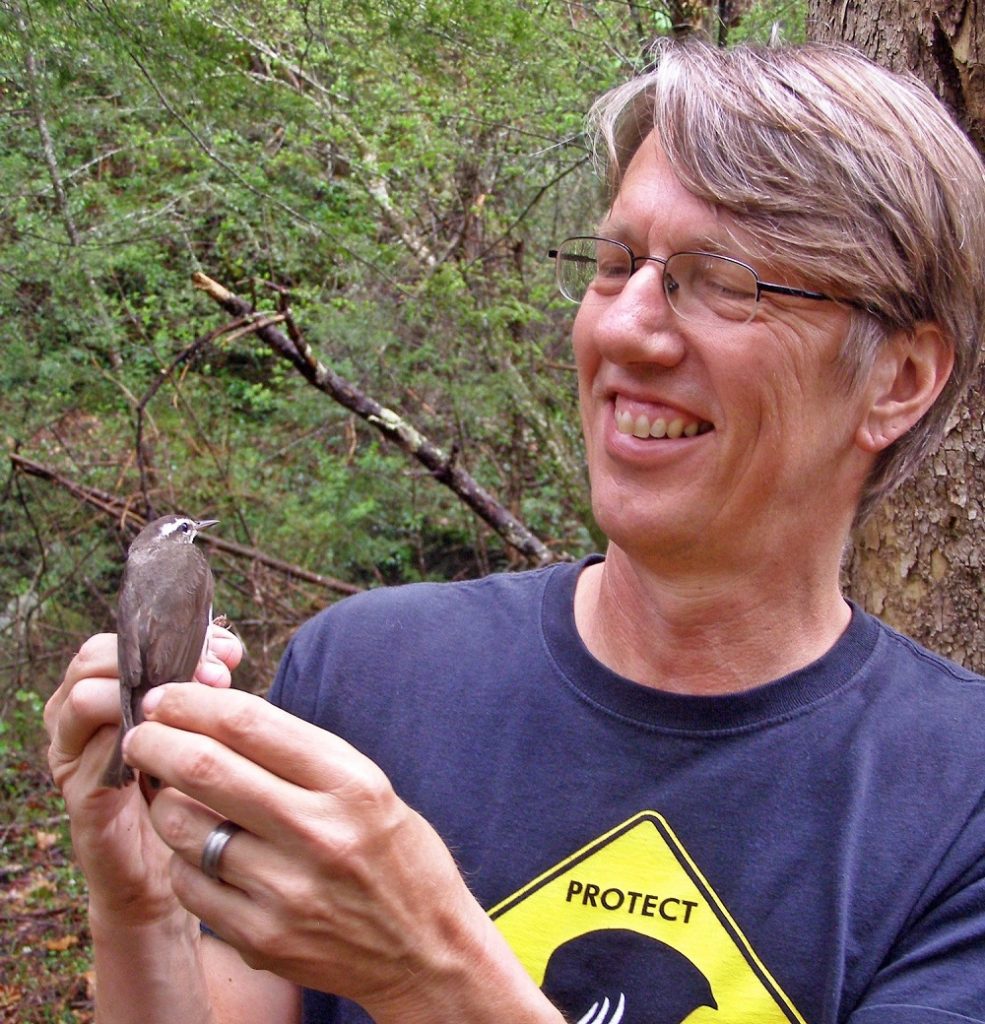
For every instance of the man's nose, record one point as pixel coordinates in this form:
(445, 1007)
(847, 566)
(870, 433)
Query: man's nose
(638, 324)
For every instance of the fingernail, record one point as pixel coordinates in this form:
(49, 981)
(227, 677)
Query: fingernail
(211, 672)
(151, 699)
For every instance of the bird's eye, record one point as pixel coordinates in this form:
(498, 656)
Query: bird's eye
(185, 527)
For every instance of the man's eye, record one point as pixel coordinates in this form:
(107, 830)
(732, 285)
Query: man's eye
(727, 289)
(611, 269)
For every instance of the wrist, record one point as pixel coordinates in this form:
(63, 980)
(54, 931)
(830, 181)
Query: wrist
(476, 980)
(112, 912)
(135, 923)
(148, 969)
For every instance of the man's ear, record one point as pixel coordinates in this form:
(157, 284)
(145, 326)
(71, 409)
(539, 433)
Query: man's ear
(909, 372)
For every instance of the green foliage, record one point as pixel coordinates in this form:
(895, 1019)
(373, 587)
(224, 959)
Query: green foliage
(399, 168)
(788, 18)
(19, 726)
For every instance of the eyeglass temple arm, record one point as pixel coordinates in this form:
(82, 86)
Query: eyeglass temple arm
(800, 293)
(803, 293)
(571, 257)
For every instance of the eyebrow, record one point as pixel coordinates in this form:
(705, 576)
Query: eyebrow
(619, 230)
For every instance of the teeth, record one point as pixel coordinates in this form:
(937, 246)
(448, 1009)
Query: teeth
(624, 421)
(640, 426)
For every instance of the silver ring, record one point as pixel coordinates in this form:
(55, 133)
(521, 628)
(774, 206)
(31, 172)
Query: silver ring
(215, 843)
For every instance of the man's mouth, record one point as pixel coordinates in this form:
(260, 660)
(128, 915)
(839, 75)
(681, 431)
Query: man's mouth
(640, 425)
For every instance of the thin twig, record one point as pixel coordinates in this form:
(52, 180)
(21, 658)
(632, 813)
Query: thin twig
(443, 466)
(183, 356)
(121, 510)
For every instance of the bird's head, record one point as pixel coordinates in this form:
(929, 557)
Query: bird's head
(172, 530)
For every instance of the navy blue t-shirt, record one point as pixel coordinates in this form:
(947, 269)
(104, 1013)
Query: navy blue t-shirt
(812, 850)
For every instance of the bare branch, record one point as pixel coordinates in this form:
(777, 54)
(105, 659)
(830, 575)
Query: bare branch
(441, 465)
(120, 510)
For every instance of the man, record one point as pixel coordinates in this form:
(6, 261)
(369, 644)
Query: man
(685, 781)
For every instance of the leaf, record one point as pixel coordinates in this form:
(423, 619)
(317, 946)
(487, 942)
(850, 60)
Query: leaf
(45, 840)
(10, 996)
(39, 884)
(60, 945)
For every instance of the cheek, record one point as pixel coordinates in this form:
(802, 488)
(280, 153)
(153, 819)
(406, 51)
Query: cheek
(580, 333)
(587, 359)
(794, 381)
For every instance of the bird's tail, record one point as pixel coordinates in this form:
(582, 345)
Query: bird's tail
(118, 773)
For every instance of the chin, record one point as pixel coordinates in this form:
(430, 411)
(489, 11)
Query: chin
(642, 531)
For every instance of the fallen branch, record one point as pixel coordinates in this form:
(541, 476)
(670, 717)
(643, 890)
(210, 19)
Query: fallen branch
(120, 510)
(442, 466)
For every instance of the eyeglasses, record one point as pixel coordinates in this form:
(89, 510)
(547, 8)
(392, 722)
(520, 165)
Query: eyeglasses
(700, 286)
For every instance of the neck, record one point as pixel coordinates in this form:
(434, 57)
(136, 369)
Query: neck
(704, 634)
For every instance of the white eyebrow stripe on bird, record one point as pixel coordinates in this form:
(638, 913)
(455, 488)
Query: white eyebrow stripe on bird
(169, 528)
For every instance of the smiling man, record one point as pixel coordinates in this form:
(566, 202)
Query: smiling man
(737, 408)
(683, 781)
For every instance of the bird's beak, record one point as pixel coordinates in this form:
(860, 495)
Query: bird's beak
(204, 524)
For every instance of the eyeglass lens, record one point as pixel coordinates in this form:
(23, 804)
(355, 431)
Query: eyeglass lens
(698, 286)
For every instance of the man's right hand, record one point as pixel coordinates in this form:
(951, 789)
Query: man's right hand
(123, 858)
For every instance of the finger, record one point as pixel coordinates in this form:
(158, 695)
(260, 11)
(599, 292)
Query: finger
(213, 672)
(216, 776)
(186, 825)
(223, 653)
(226, 909)
(285, 745)
(96, 658)
(91, 704)
(251, 762)
(225, 645)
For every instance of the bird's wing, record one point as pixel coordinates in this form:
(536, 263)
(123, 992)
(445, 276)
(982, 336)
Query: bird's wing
(128, 657)
(173, 628)
(128, 635)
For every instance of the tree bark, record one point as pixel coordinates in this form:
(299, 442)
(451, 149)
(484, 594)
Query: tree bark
(918, 561)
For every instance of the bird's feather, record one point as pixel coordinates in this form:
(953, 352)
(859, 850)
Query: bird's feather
(164, 612)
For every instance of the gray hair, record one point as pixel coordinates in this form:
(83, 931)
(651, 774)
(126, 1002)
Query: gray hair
(852, 177)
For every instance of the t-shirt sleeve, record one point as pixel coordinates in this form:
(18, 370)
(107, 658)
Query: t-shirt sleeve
(283, 690)
(935, 973)
(286, 690)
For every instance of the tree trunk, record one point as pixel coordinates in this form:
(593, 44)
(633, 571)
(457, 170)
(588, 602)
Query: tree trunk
(918, 562)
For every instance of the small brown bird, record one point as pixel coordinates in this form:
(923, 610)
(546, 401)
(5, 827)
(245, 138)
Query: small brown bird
(163, 614)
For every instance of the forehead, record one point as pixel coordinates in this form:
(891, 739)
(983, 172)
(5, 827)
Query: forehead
(653, 208)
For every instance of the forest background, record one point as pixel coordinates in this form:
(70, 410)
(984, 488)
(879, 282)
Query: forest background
(376, 387)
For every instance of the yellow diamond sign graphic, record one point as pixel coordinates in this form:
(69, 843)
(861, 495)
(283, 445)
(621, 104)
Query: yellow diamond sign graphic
(638, 878)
